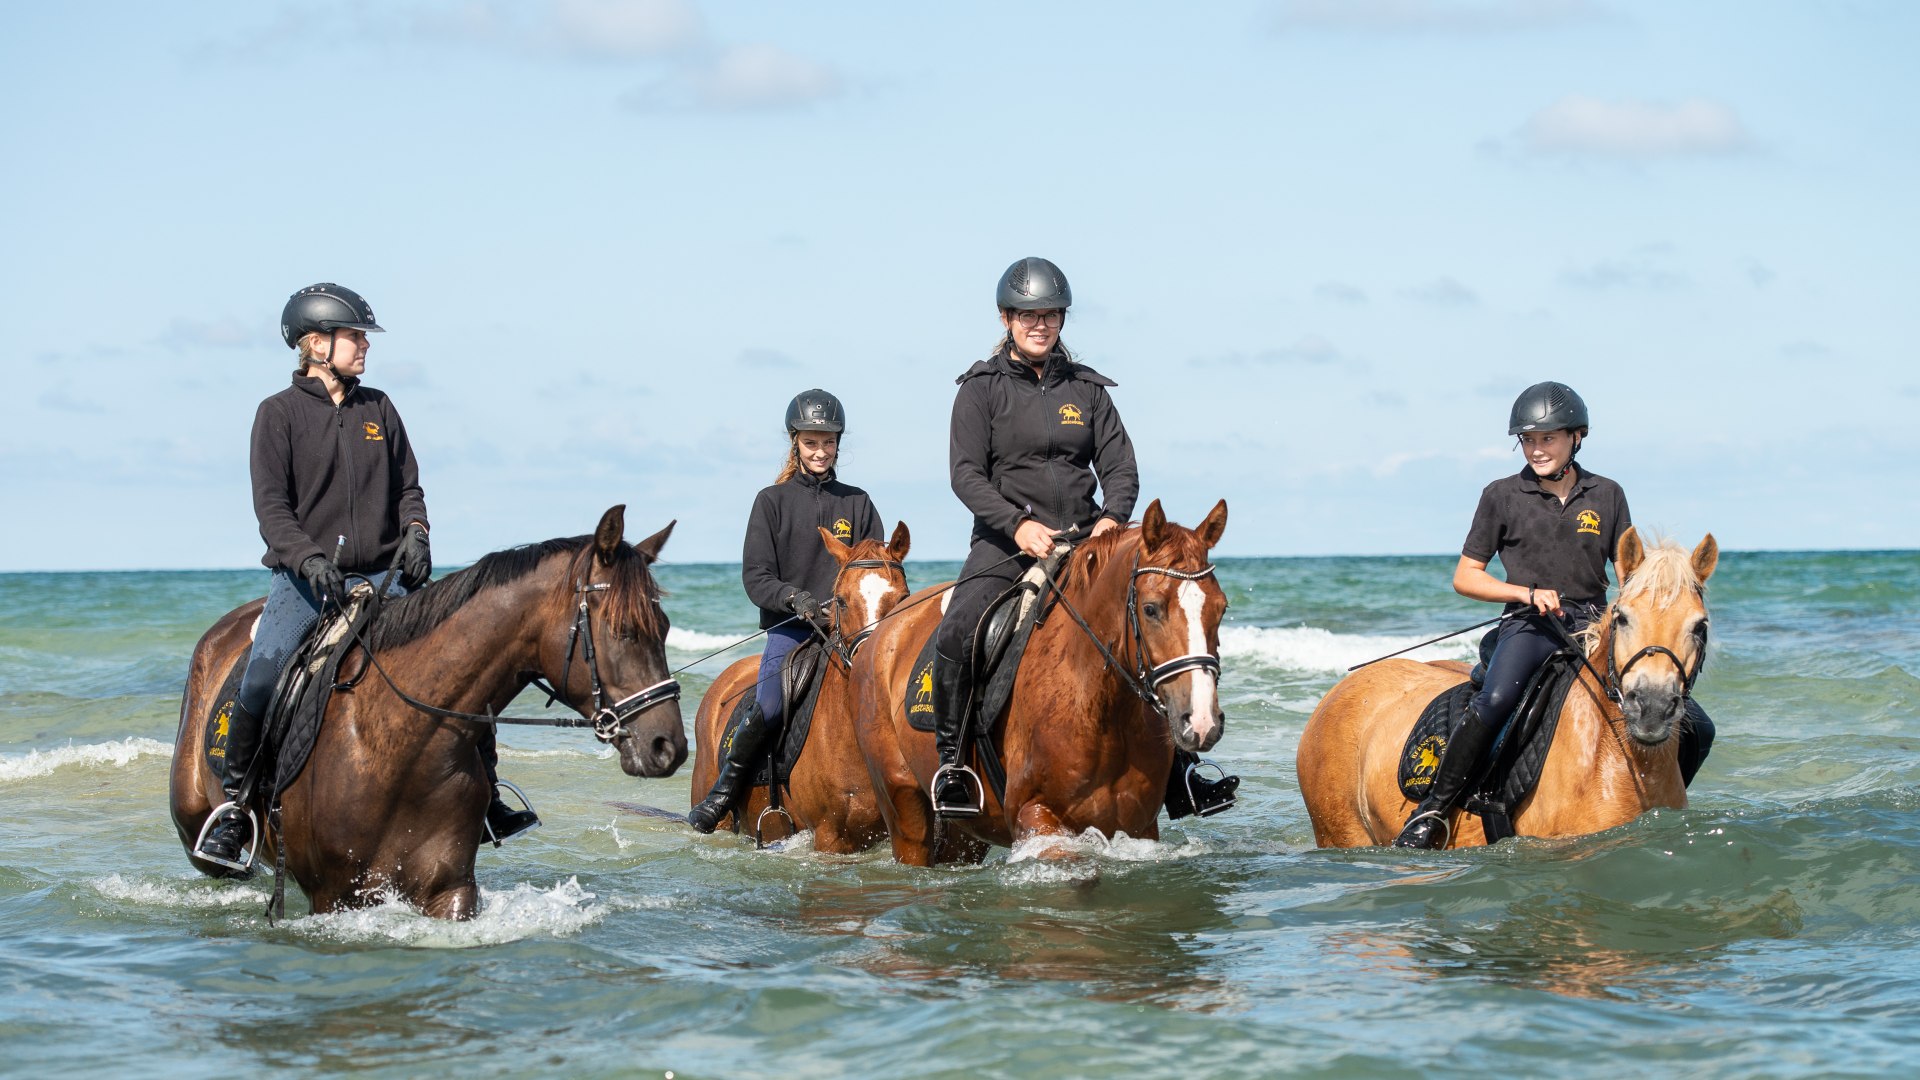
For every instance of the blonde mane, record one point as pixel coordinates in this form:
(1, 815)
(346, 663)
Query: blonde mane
(1665, 573)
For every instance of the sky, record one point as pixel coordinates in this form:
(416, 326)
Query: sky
(1319, 244)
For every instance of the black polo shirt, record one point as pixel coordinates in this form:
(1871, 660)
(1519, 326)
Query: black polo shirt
(1544, 544)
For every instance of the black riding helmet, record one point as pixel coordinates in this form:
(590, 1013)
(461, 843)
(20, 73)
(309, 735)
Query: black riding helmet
(815, 410)
(1033, 284)
(325, 307)
(1548, 406)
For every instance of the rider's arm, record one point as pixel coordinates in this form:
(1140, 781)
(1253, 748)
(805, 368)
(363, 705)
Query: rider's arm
(410, 500)
(270, 461)
(1471, 580)
(1113, 462)
(760, 557)
(969, 451)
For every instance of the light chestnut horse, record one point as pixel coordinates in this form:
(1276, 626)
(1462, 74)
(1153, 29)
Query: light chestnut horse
(1082, 748)
(829, 791)
(1610, 760)
(392, 798)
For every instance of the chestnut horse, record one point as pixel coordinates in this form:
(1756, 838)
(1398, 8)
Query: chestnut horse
(1614, 754)
(392, 797)
(1087, 743)
(829, 791)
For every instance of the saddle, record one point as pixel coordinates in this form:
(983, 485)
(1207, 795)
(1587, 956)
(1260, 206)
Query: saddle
(292, 724)
(997, 645)
(800, 678)
(1518, 756)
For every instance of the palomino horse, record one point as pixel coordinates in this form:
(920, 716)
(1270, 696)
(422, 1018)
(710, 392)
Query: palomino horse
(829, 791)
(1614, 754)
(1088, 737)
(392, 797)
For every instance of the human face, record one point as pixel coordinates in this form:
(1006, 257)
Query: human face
(818, 451)
(1033, 341)
(1548, 451)
(347, 349)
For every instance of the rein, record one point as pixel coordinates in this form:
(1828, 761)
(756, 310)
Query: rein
(1143, 681)
(845, 647)
(1616, 675)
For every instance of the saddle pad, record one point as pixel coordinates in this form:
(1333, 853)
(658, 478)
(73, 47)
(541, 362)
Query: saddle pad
(214, 744)
(318, 670)
(783, 751)
(998, 645)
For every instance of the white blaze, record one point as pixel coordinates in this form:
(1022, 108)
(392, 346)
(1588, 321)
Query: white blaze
(1192, 600)
(873, 589)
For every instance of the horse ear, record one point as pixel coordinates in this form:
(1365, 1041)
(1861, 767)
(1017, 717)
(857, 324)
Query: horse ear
(607, 534)
(902, 541)
(1705, 558)
(1214, 524)
(650, 547)
(841, 552)
(1628, 556)
(1153, 526)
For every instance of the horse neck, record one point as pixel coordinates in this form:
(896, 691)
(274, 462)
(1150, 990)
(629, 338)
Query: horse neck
(1613, 766)
(478, 659)
(1098, 694)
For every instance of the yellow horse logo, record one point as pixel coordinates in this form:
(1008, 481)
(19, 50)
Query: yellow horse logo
(1426, 761)
(843, 529)
(1070, 414)
(1587, 522)
(923, 690)
(373, 432)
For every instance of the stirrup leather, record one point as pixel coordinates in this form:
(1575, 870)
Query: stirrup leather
(1219, 777)
(525, 804)
(245, 864)
(977, 807)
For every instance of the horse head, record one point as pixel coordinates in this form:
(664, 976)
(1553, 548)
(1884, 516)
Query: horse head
(617, 649)
(1655, 636)
(870, 582)
(1175, 607)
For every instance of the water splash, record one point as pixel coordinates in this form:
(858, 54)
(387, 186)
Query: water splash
(118, 753)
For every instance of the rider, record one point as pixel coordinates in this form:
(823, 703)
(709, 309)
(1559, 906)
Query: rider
(1033, 432)
(787, 571)
(336, 492)
(1555, 526)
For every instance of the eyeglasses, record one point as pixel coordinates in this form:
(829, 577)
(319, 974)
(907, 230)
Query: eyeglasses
(1031, 319)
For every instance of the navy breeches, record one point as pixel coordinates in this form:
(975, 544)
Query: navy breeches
(291, 611)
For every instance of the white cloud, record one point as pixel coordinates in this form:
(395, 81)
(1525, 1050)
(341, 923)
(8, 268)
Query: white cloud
(221, 334)
(626, 28)
(1340, 292)
(1643, 268)
(1585, 126)
(1443, 291)
(1387, 17)
(1311, 349)
(762, 76)
(765, 358)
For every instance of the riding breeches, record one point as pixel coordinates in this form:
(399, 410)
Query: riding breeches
(988, 572)
(768, 691)
(1520, 645)
(284, 623)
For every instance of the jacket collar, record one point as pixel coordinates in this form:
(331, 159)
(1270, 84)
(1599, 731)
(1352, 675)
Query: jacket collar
(1582, 480)
(807, 479)
(313, 387)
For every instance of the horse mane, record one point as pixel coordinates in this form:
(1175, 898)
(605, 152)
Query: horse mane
(629, 606)
(1662, 577)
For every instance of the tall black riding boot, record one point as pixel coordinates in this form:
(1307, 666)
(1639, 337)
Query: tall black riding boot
(1188, 792)
(225, 841)
(956, 789)
(736, 768)
(502, 821)
(1459, 766)
(1696, 741)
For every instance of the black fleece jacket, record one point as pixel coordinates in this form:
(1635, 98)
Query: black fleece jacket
(322, 471)
(1027, 447)
(783, 553)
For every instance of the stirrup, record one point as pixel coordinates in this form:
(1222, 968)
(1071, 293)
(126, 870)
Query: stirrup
(525, 804)
(245, 865)
(1446, 830)
(976, 808)
(1221, 777)
(759, 834)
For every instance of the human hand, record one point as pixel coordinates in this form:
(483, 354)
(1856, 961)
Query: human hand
(1104, 525)
(1545, 601)
(1033, 538)
(326, 578)
(414, 556)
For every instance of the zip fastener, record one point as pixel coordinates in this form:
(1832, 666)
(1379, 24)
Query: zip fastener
(346, 468)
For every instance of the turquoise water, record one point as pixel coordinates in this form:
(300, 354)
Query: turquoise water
(1769, 929)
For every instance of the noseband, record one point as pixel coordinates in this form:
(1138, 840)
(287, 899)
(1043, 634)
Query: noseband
(1179, 665)
(609, 721)
(1616, 677)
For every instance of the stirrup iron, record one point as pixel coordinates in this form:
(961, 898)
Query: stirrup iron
(759, 826)
(525, 804)
(1219, 777)
(974, 809)
(245, 865)
(1446, 830)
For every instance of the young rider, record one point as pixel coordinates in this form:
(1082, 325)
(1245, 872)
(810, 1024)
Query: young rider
(1033, 433)
(789, 574)
(337, 493)
(1555, 526)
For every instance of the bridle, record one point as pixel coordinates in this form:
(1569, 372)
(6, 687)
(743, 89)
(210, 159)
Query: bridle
(843, 646)
(609, 721)
(1142, 679)
(1616, 677)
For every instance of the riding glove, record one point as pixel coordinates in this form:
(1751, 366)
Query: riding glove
(326, 578)
(416, 563)
(804, 605)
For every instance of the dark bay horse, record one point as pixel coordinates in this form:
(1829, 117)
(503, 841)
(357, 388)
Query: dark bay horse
(1609, 762)
(392, 798)
(829, 791)
(1083, 749)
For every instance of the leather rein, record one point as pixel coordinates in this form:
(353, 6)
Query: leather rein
(1143, 680)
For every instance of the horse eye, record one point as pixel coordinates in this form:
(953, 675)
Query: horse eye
(1700, 629)
(1152, 610)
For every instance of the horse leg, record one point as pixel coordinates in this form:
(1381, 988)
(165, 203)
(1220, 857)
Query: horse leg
(460, 902)
(1037, 819)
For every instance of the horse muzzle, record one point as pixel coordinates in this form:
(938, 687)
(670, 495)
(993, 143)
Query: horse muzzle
(1191, 699)
(1653, 713)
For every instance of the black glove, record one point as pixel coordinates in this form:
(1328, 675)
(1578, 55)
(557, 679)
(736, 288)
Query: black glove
(326, 579)
(804, 605)
(416, 563)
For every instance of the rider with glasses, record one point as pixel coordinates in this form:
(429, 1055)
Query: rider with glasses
(1034, 433)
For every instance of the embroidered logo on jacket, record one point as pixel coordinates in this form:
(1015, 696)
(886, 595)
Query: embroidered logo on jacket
(842, 529)
(373, 432)
(1070, 414)
(1587, 522)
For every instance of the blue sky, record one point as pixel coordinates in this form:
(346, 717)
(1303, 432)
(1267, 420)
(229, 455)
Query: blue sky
(1319, 244)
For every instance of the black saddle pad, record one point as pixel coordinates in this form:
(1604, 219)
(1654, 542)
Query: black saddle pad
(801, 677)
(1518, 757)
(998, 644)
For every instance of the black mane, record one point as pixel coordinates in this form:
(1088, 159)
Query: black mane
(413, 615)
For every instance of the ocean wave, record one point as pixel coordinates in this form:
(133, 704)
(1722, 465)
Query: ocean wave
(196, 893)
(1054, 860)
(1309, 648)
(701, 641)
(41, 762)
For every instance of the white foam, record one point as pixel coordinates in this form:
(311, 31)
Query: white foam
(197, 892)
(41, 762)
(599, 752)
(1309, 648)
(514, 914)
(701, 641)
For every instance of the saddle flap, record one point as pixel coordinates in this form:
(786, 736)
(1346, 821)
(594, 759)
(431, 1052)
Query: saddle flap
(800, 679)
